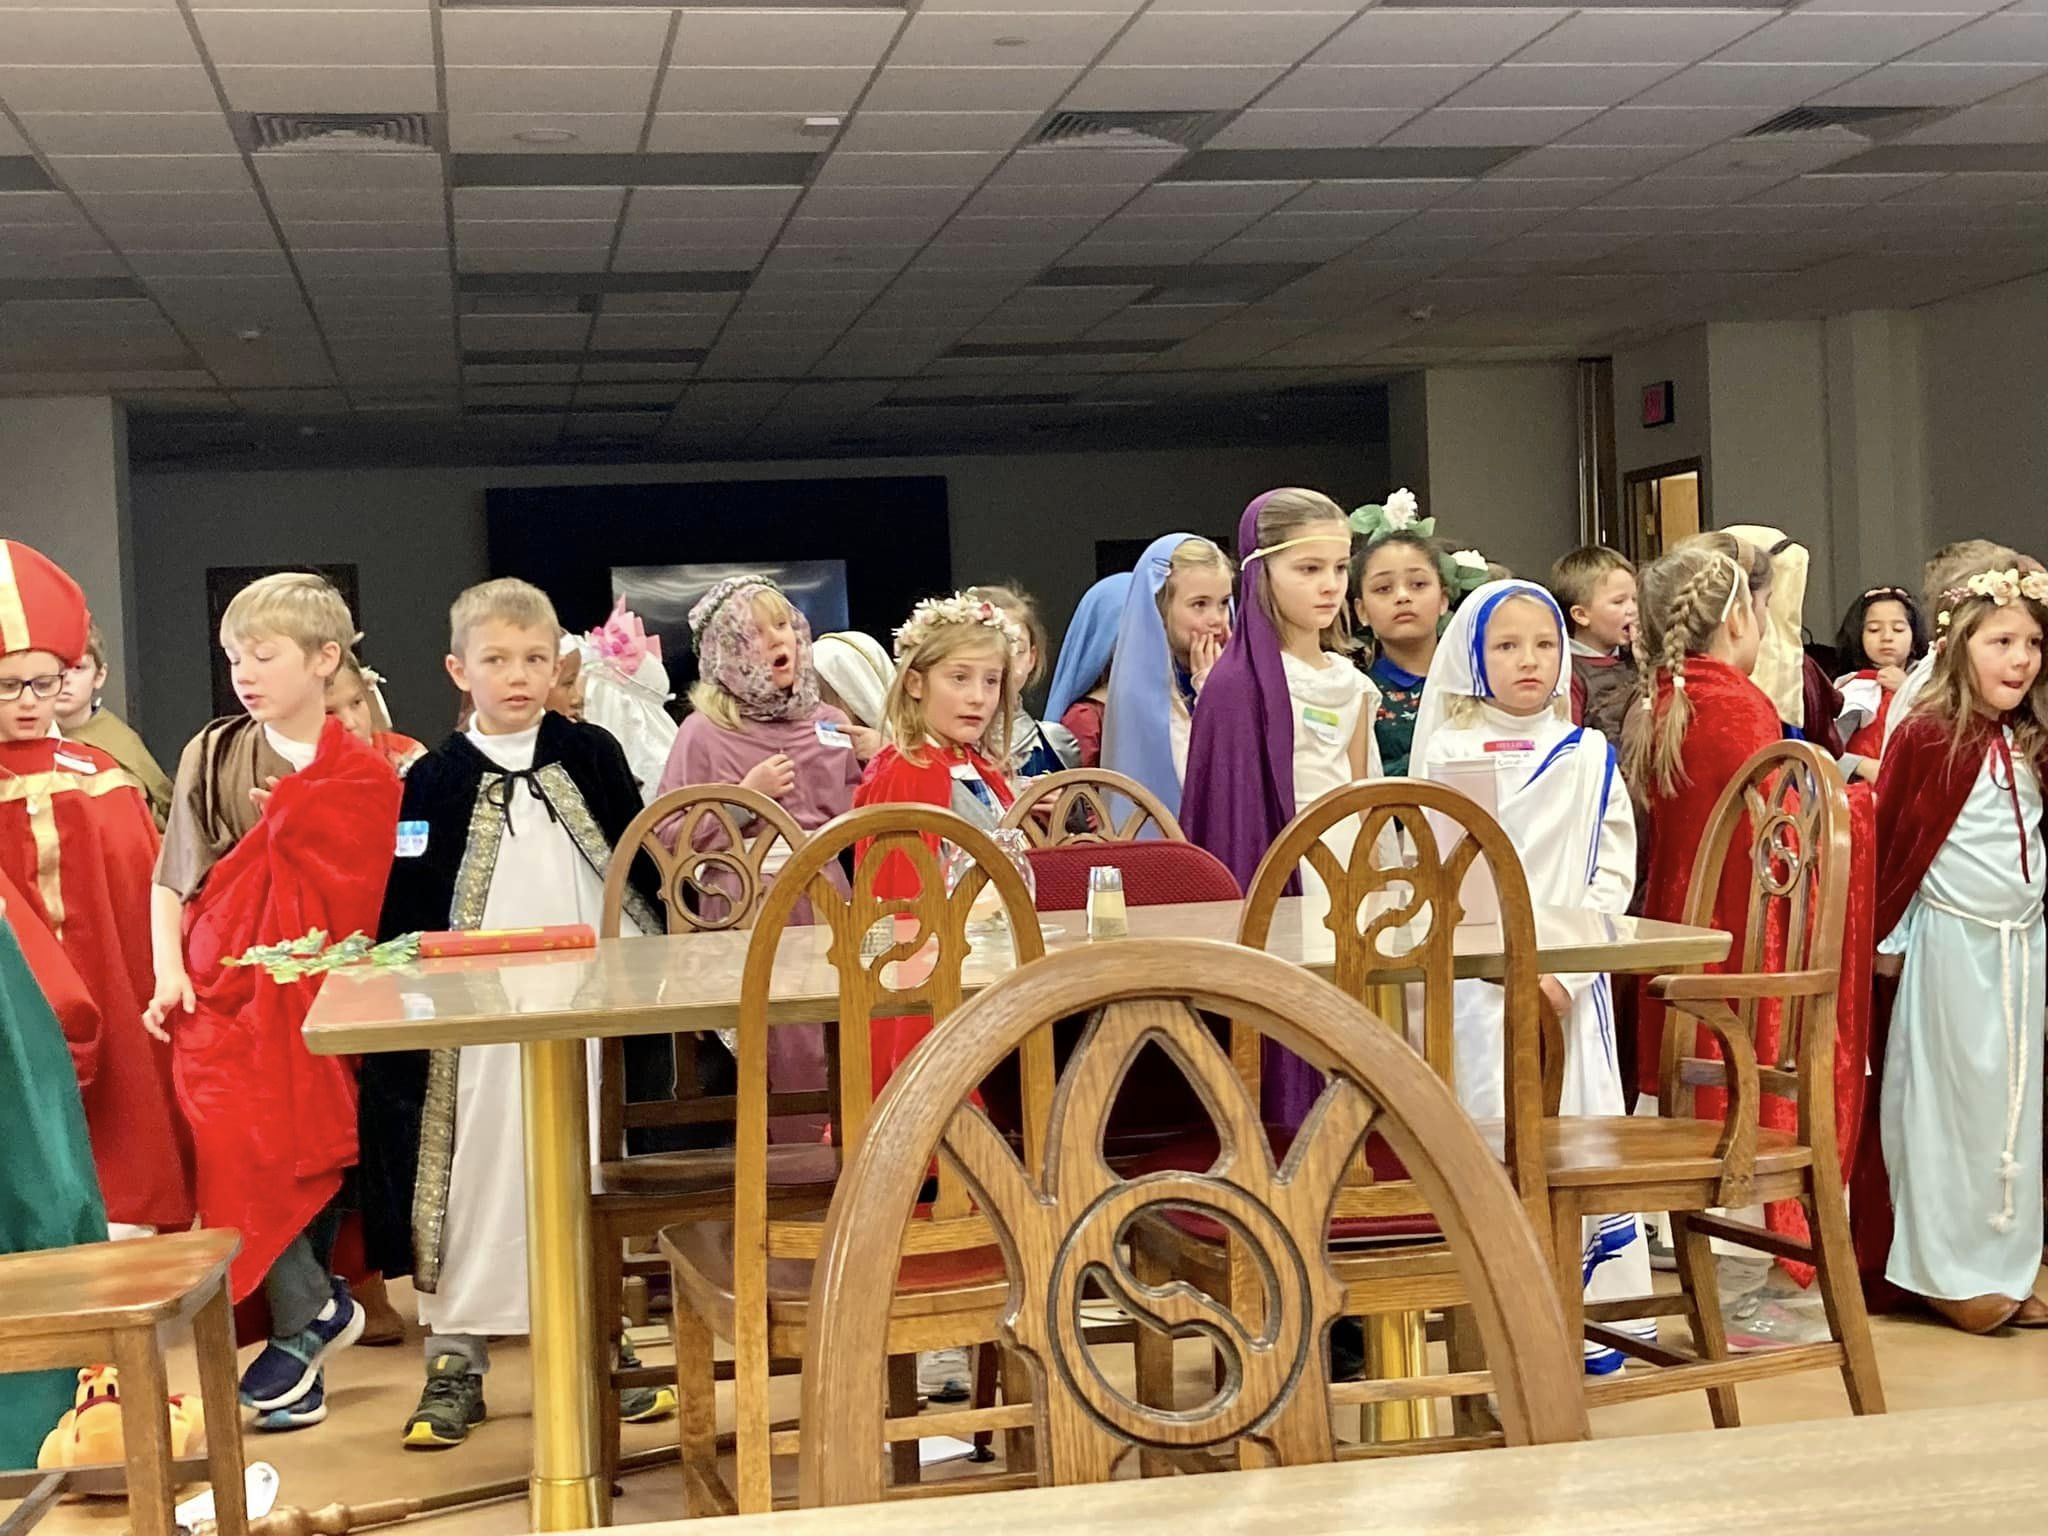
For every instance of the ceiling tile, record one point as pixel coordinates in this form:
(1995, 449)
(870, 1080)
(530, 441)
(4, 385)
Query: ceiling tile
(474, 203)
(553, 37)
(1558, 85)
(1633, 126)
(550, 90)
(1369, 85)
(69, 35)
(919, 88)
(151, 173)
(1369, 195)
(328, 88)
(108, 88)
(110, 133)
(332, 37)
(1490, 125)
(1746, 85)
(1101, 167)
(1476, 37)
(1253, 197)
(882, 202)
(685, 202)
(498, 132)
(1930, 85)
(1302, 128)
(786, 39)
(1265, 36)
(767, 90)
(732, 133)
(1175, 88)
(1841, 38)
(1045, 37)
(943, 170)
(913, 132)
(2012, 38)
(1675, 36)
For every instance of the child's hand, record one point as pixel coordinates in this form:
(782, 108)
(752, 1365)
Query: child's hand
(1890, 679)
(866, 742)
(260, 795)
(774, 777)
(1555, 998)
(172, 993)
(1203, 655)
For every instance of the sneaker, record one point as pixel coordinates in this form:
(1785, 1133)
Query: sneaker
(945, 1376)
(451, 1405)
(302, 1412)
(642, 1405)
(1602, 1361)
(284, 1372)
(1771, 1324)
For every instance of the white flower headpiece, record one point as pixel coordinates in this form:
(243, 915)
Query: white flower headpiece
(936, 613)
(2002, 587)
(1402, 509)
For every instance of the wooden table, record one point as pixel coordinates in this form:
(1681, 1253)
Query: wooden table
(1901, 1474)
(550, 1003)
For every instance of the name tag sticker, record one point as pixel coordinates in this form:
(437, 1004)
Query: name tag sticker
(1511, 746)
(833, 738)
(1326, 725)
(412, 839)
(965, 772)
(72, 764)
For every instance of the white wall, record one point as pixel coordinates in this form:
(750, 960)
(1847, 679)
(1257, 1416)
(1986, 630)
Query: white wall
(417, 537)
(1986, 402)
(64, 491)
(1504, 461)
(1682, 358)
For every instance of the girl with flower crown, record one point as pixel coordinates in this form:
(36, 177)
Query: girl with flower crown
(1960, 911)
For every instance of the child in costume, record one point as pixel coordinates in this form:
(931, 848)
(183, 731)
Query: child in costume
(1036, 749)
(1949, 566)
(1496, 697)
(1882, 635)
(509, 824)
(1285, 719)
(82, 717)
(1399, 598)
(1596, 588)
(854, 674)
(1080, 683)
(1959, 901)
(625, 690)
(281, 822)
(355, 697)
(1175, 623)
(78, 841)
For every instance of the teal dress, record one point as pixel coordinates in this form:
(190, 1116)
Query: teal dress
(1394, 726)
(49, 1194)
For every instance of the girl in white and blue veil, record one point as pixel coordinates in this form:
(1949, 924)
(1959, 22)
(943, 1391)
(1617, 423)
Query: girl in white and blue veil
(1078, 698)
(1497, 697)
(1176, 619)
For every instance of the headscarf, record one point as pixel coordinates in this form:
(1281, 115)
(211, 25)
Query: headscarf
(730, 651)
(1089, 644)
(1137, 723)
(1240, 789)
(1459, 669)
(1780, 669)
(859, 671)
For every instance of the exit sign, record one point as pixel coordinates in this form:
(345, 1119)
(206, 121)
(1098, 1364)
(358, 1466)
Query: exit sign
(1659, 409)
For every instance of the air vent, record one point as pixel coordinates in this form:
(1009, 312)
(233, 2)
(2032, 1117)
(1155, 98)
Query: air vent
(385, 132)
(1129, 130)
(1874, 123)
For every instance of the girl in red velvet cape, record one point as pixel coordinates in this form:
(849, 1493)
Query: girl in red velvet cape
(1882, 635)
(953, 698)
(1960, 903)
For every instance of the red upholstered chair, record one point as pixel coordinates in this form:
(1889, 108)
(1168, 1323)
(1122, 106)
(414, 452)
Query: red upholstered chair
(1156, 874)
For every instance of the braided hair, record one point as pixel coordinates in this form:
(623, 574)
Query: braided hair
(1686, 596)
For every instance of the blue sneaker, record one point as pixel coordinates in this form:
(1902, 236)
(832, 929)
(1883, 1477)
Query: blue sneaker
(303, 1412)
(287, 1368)
(1604, 1362)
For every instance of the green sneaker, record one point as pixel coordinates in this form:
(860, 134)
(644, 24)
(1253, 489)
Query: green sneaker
(642, 1405)
(451, 1405)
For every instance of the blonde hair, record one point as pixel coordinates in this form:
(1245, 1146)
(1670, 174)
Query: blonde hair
(1282, 516)
(1951, 693)
(903, 719)
(708, 698)
(1686, 596)
(1193, 553)
(1023, 612)
(1575, 577)
(1952, 564)
(290, 605)
(352, 667)
(507, 600)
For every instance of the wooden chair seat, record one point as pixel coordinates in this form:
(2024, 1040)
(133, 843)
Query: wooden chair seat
(109, 1285)
(1626, 1150)
(710, 1170)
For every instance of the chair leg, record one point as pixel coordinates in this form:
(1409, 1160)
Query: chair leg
(146, 1424)
(1701, 1283)
(696, 1409)
(213, 1335)
(1152, 1358)
(1020, 1446)
(607, 1272)
(1841, 1292)
(1464, 1350)
(985, 1369)
(904, 1467)
(1568, 1247)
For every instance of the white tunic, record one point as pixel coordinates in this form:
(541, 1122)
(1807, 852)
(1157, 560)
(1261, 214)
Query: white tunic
(1327, 705)
(1560, 798)
(1962, 1072)
(540, 878)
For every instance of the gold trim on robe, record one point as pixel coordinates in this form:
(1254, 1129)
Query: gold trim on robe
(40, 791)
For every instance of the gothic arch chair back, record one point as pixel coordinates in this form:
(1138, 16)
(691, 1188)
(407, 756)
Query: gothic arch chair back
(1090, 805)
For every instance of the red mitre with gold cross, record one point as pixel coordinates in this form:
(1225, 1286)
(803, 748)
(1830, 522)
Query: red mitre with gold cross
(41, 607)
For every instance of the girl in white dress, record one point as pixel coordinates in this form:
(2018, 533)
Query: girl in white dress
(1498, 696)
(1959, 902)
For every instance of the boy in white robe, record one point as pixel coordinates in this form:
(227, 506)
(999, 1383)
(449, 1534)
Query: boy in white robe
(1498, 695)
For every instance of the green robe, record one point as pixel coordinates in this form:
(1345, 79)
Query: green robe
(49, 1194)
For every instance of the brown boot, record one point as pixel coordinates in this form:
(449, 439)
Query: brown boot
(382, 1326)
(1979, 1314)
(2033, 1313)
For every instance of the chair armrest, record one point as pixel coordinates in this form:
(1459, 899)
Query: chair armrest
(1731, 985)
(1737, 1146)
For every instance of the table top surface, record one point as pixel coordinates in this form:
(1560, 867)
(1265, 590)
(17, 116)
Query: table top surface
(691, 982)
(1904, 1474)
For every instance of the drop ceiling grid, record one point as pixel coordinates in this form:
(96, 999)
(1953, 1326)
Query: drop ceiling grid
(1478, 76)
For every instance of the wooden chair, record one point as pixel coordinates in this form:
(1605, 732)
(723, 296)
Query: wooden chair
(1786, 816)
(1393, 912)
(108, 1302)
(711, 845)
(745, 1276)
(1079, 806)
(1061, 1213)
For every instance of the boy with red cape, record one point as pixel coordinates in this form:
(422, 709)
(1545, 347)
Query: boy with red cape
(78, 841)
(281, 822)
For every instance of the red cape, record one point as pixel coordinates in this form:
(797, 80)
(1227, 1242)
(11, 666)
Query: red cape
(273, 1124)
(892, 779)
(91, 890)
(1867, 740)
(76, 1013)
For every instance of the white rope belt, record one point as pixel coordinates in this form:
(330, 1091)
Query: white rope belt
(2011, 936)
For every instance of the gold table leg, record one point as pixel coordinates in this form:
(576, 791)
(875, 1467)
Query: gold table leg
(1397, 1345)
(568, 1491)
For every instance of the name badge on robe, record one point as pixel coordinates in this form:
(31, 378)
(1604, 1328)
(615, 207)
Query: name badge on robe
(412, 839)
(832, 738)
(1325, 725)
(1510, 753)
(75, 764)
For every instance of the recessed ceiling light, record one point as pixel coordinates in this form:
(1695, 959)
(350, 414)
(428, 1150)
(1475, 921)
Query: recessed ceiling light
(822, 126)
(1012, 42)
(545, 136)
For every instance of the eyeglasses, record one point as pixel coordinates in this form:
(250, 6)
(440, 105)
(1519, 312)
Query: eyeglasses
(45, 687)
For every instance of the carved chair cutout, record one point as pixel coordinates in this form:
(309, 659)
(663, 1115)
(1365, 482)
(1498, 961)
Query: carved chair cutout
(1090, 805)
(1061, 1215)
